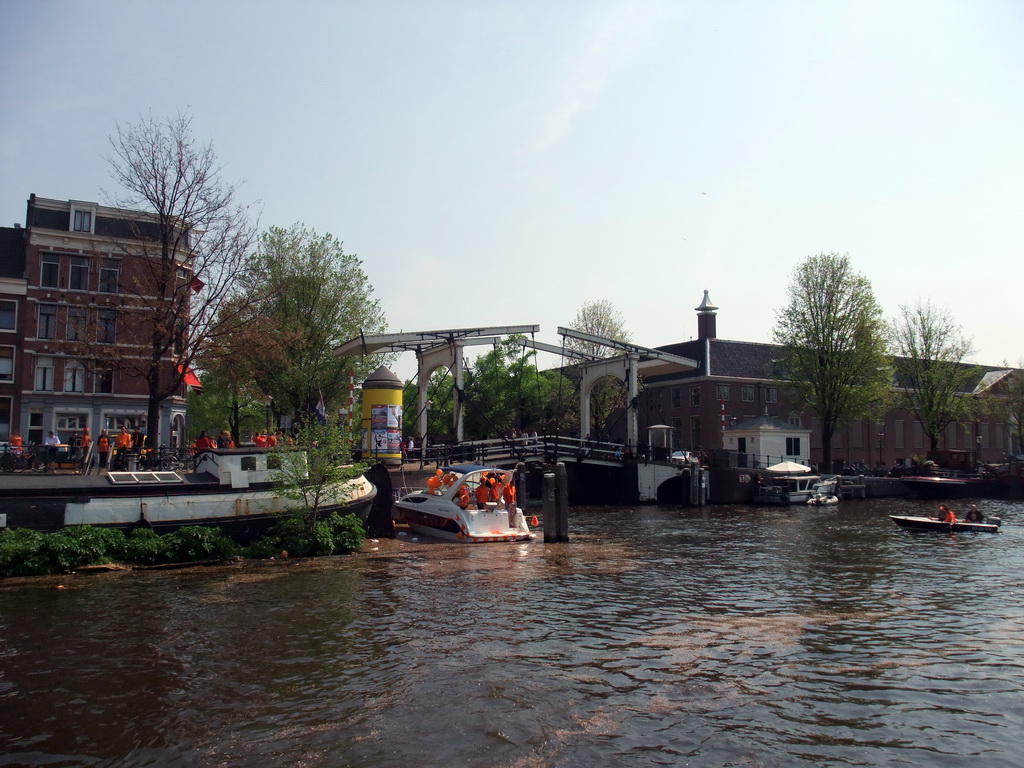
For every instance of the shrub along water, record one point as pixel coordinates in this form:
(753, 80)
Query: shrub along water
(24, 552)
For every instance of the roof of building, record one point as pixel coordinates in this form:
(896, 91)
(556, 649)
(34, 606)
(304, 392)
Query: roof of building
(725, 359)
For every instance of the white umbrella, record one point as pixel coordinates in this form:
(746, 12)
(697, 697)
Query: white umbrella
(788, 466)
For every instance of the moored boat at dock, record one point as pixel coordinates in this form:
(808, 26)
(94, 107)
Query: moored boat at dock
(231, 489)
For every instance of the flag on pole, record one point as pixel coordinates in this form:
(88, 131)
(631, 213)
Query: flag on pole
(321, 411)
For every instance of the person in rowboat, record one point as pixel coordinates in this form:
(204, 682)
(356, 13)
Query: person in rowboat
(974, 515)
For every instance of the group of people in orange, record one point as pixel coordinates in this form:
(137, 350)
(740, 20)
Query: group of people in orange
(491, 489)
(265, 439)
(947, 515)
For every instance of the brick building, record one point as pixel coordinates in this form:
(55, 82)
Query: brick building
(736, 382)
(63, 281)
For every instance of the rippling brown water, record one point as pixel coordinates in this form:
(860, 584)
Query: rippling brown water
(727, 636)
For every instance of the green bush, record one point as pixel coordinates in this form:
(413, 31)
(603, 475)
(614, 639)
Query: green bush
(195, 542)
(334, 536)
(146, 547)
(23, 553)
(348, 532)
(290, 535)
(81, 545)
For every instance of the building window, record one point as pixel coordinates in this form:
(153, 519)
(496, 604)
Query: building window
(771, 395)
(694, 396)
(44, 374)
(722, 391)
(104, 382)
(72, 422)
(78, 280)
(35, 427)
(82, 221)
(74, 376)
(106, 326)
(747, 394)
(49, 271)
(6, 363)
(676, 397)
(47, 321)
(792, 446)
(8, 315)
(77, 320)
(109, 276)
(5, 418)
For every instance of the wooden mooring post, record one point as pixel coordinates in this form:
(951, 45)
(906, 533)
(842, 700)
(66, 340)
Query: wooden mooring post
(555, 504)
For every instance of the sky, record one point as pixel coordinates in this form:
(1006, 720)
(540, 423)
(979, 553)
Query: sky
(504, 163)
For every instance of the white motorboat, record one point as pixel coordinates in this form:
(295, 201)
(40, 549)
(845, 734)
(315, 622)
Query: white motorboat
(437, 510)
(786, 489)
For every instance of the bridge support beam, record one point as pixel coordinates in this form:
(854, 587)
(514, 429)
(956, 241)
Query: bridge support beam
(625, 369)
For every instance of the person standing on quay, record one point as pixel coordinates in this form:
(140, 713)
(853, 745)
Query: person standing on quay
(103, 449)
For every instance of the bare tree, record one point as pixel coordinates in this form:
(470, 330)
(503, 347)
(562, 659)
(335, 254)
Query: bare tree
(933, 380)
(189, 241)
(600, 318)
(1015, 407)
(833, 340)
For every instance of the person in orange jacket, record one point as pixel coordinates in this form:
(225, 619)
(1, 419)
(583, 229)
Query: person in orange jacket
(510, 503)
(462, 499)
(434, 483)
(483, 494)
(497, 490)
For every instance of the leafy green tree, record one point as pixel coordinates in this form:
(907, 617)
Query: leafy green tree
(933, 381)
(504, 391)
(225, 404)
(834, 345)
(314, 471)
(440, 398)
(310, 297)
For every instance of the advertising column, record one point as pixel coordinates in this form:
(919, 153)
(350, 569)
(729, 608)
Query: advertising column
(382, 417)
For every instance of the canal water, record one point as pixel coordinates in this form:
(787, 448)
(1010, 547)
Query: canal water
(658, 636)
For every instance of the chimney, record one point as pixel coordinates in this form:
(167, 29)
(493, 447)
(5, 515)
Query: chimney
(706, 319)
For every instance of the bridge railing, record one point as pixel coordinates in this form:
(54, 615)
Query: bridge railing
(511, 450)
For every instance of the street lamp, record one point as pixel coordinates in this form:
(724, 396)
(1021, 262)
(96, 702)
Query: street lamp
(881, 443)
(977, 452)
(267, 400)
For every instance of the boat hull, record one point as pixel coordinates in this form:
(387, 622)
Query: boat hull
(241, 514)
(909, 522)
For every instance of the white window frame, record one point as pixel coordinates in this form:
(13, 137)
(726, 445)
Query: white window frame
(77, 264)
(74, 376)
(722, 392)
(98, 377)
(102, 326)
(43, 382)
(6, 376)
(14, 309)
(71, 422)
(78, 220)
(77, 331)
(771, 395)
(106, 267)
(53, 260)
(52, 328)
